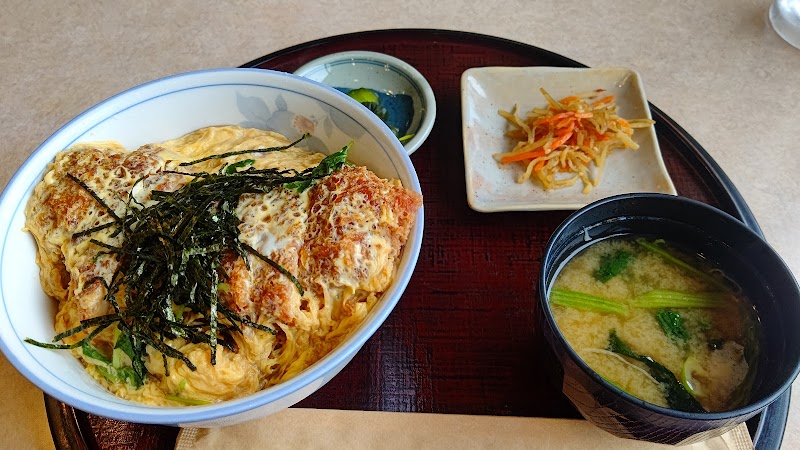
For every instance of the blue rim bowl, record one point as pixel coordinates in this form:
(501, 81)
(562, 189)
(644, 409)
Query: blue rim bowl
(165, 109)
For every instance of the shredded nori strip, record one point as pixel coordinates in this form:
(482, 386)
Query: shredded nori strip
(171, 257)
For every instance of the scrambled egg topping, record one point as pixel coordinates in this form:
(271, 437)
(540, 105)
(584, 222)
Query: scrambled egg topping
(342, 239)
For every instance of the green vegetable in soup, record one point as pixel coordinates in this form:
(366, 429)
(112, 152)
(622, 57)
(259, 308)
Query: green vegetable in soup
(665, 254)
(672, 324)
(662, 298)
(612, 265)
(690, 367)
(579, 300)
(677, 396)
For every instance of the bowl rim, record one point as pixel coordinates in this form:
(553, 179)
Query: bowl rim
(543, 296)
(136, 412)
(428, 107)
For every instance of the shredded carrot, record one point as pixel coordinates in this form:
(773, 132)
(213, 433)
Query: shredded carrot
(604, 100)
(559, 143)
(522, 156)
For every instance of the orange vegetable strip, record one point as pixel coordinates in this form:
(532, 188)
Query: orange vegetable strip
(564, 122)
(603, 100)
(522, 156)
(559, 141)
(553, 118)
(570, 127)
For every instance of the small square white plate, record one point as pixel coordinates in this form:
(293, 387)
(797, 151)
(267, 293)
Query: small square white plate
(492, 187)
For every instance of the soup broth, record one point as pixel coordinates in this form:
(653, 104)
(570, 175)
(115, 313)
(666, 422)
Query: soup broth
(659, 323)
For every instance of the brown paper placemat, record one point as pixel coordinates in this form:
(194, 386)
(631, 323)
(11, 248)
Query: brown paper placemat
(299, 428)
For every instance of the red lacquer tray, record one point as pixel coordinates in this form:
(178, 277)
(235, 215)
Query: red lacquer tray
(462, 338)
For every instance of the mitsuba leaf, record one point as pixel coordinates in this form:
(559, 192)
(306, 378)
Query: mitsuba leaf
(672, 324)
(612, 265)
(327, 166)
(104, 365)
(89, 351)
(233, 168)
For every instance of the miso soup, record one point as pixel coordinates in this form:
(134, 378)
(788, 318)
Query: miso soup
(658, 322)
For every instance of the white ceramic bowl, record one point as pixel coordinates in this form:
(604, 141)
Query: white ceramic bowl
(161, 110)
(382, 73)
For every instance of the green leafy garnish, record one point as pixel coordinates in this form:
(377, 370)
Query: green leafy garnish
(672, 324)
(109, 367)
(169, 265)
(94, 354)
(327, 166)
(677, 396)
(126, 361)
(233, 168)
(612, 265)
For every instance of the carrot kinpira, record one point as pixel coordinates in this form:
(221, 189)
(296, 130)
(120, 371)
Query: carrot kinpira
(560, 140)
(603, 101)
(559, 143)
(523, 156)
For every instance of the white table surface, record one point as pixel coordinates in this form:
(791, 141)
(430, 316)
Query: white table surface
(716, 67)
